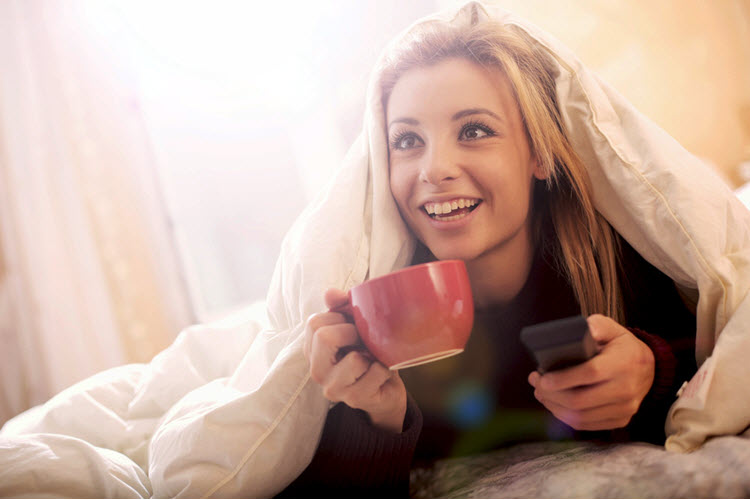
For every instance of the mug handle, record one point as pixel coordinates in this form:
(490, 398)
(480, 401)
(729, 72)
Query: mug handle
(348, 311)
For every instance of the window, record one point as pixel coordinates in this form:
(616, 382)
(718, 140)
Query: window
(250, 107)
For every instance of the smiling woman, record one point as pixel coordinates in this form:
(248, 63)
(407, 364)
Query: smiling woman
(471, 112)
(561, 196)
(446, 150)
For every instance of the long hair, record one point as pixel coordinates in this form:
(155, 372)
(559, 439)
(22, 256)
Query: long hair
(565, 222)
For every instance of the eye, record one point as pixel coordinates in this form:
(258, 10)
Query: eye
(405, 140)
(474, 131)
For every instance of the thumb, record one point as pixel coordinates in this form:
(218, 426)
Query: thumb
(335, 298)
(604, 329)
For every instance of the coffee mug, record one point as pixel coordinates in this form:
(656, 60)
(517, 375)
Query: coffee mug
(415, 315)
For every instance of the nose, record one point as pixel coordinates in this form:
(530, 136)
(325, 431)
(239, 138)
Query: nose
(439, 165)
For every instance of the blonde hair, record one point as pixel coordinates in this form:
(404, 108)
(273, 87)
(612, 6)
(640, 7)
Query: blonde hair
(584, 245)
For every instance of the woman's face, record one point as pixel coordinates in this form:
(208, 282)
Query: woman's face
(461, 169)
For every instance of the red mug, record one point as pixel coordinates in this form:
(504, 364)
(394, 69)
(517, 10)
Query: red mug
(415, 315)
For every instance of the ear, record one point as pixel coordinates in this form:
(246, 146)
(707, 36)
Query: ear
(537, 169)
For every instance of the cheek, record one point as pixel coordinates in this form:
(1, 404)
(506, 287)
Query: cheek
(399, 186)
(508, 191)
(518, 197)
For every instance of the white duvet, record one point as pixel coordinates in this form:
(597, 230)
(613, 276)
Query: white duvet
(229, 410)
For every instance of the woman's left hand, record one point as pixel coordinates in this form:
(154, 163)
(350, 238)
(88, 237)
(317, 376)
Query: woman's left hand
(605, 391)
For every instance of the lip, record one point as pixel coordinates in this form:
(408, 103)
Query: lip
(444, 198)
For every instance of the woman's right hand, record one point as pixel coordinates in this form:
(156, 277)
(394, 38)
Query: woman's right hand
(355, 379)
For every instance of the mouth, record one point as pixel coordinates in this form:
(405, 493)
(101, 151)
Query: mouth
(451, 210)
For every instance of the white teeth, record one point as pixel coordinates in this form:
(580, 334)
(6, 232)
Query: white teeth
(452, 217)
(447, 207)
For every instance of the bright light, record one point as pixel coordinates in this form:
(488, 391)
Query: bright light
(259, 55)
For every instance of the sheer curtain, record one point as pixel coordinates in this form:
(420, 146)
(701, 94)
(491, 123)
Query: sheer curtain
(89, 277)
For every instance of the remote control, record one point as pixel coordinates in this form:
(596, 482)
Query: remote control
(559, 343)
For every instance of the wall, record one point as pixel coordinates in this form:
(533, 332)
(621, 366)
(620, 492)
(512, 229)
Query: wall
(683, 63)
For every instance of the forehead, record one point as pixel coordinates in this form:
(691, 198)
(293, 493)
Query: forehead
(448, 86)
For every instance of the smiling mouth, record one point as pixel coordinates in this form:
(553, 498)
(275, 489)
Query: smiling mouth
(451, 210)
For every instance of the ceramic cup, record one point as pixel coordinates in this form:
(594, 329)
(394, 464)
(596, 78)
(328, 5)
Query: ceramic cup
(414, 315)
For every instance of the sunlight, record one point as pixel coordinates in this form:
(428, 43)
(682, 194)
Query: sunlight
(252, 54)
(238, 99)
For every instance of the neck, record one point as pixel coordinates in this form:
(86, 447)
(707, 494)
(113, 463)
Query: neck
(499, 275)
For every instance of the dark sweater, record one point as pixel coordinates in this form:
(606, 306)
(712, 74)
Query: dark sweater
(480, 400)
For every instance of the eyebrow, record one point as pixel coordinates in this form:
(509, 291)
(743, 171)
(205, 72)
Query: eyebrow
(475, 111)
(457, 116)
(408, 121)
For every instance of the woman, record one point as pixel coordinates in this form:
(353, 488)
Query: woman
(560, 202)
(482, 170)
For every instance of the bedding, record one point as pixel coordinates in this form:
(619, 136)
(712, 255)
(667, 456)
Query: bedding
(230, 410)
(719, 469)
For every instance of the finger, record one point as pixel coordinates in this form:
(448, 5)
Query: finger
(360, 348)
(317, 321)
(366, 392)
(335, 298)
(344, 376)
(604, 417)
(533, 378)
(604, 329)
(588, 397)
(593, 371)
(326, 342)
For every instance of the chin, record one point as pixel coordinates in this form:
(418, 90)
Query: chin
(453, 253)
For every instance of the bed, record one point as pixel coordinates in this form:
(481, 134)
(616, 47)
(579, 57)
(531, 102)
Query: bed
(720, 469)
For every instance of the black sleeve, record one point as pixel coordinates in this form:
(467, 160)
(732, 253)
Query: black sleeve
(648, 422)
(657, 315)
(354, 459)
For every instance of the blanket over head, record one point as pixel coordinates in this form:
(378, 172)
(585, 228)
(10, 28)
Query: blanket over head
(231, 410)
